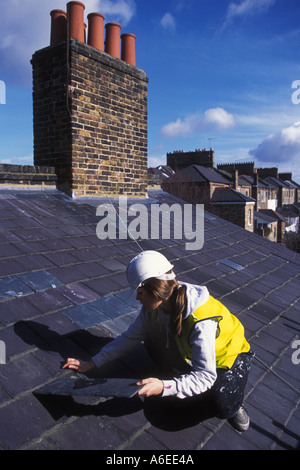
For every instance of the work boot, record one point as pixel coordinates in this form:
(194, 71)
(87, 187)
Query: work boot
(240, 421)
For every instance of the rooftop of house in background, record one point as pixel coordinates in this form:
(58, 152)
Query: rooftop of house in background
(229, 195)
(289, 210)
(157, 175)
(292, 184)
(277, 182)
(199, 174)
(251, 181)
(274, 215)
(63, 292)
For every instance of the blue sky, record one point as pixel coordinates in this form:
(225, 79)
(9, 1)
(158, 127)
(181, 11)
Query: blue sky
(221, 74)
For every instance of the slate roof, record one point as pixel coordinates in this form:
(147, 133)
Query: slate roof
(274, 215)
(159, 174)
(228, 195)
(277, 182)
(266, 216)
(292, 184)
(199, 174)
(63, 292)
(250, 180)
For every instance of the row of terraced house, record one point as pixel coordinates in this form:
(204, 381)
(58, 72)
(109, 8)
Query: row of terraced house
(260, 200)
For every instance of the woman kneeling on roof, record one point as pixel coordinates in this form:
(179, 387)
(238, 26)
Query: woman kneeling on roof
(193, 339)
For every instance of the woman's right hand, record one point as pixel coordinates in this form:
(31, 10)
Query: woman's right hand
(81, 366)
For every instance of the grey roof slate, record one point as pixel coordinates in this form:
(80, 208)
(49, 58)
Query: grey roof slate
(199, 174)
(267, 216)
(277, 182)
(250, 179)
(292, 184)
(63, 292)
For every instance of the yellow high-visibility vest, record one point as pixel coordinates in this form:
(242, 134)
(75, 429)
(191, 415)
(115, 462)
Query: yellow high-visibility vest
(230, 340)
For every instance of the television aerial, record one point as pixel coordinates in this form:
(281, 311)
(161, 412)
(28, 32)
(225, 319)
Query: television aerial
(210, 139)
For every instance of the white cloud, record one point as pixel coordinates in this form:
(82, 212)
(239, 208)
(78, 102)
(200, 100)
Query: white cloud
(281, 147)
(27, 160)
(214, 117)
(182, 127)
(168, 22)
(120, 10)
(153, 162)
(219, 117)
(246, 8)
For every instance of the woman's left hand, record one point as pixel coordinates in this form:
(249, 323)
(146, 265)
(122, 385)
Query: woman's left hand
(151, 386)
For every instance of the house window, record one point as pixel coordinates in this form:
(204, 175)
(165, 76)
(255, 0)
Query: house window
(249, 217)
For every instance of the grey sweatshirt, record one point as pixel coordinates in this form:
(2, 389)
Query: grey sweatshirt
(202, 341)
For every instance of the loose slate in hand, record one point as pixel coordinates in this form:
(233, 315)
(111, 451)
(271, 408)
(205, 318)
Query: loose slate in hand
(76, 386)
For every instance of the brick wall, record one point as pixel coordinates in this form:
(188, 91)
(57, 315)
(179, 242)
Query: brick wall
(27, 175)
(236, 213)
(246, 168)
(181, 160)
(193, 193)
(51, 120)
(241, 214)
(96, 137)
(265, 172)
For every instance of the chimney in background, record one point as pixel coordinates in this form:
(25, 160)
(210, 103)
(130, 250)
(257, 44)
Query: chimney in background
(255, 189)
(236, 180)
(97, 145)
(71, 24)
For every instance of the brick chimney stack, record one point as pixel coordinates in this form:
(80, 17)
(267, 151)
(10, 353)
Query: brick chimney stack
(255, 188)
(90, 109)
(236, 180)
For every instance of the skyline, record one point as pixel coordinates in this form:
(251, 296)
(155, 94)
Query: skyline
(222, 74)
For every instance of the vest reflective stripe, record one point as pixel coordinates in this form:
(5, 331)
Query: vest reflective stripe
(230, 340)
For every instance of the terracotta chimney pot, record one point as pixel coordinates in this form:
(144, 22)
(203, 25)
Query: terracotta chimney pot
(112, 40)
(96, 31)
(58, 26)
(76, 20)
(85, 27)
(128, 48)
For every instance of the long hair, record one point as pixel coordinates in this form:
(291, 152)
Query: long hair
(176, 294)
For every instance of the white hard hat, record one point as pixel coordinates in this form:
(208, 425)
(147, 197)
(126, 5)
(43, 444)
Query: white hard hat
(146, 265)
